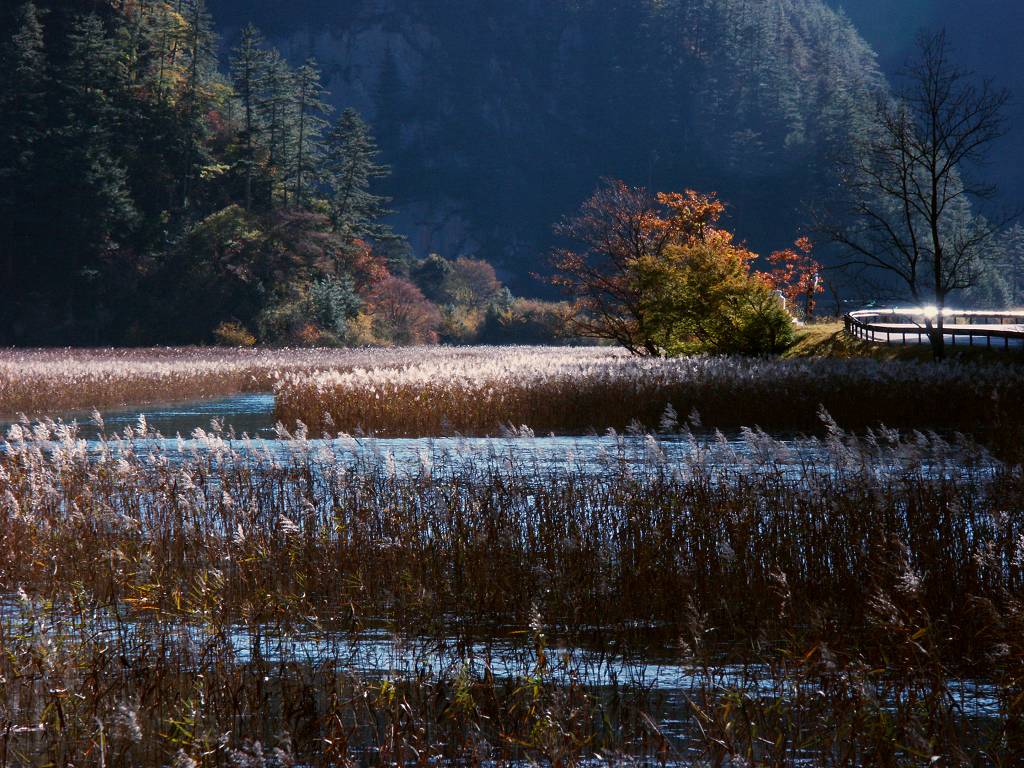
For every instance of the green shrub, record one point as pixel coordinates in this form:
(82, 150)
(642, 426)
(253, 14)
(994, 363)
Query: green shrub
(231, 334)
(314, 314)
(333, 302)
(527, 321)
(702, 297)
(764, 327)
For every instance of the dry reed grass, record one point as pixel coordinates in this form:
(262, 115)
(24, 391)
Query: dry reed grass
(858, 585)
(42, 382)
(574, 391)
(480, 390)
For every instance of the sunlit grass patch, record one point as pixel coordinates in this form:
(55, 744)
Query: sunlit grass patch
(575, 391)
(830, 340)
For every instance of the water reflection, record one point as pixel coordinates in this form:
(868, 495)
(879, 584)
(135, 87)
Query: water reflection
(249, 413)
(376, 653)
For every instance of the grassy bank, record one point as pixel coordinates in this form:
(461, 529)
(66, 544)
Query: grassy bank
(201, 608)
(829, 340)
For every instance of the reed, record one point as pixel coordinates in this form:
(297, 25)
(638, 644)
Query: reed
(206, 603)
(42, 382)
(575, 391)
(480, 390)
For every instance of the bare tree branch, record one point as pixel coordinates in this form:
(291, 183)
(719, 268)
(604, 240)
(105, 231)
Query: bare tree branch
(909, 186)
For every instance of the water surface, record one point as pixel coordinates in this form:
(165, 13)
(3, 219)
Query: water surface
(245, 424)
(249, 413)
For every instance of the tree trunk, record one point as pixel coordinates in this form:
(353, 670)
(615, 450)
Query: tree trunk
(936, 337)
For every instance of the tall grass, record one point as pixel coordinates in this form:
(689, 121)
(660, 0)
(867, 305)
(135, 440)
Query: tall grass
(481, 390)
(41, 382)
(854, 582)
(573, 391)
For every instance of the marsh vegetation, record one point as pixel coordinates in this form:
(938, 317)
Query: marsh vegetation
(661, 593)
(424, 392)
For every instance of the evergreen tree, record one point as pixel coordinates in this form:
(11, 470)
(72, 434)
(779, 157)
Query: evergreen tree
(199, 69)
(248, 73)
(994, 282)
(276, 113)
(96, 210)
(148, 134)
(351, 166)
(23, 84)
(164, 38)
(1011, 244)
(310, 123)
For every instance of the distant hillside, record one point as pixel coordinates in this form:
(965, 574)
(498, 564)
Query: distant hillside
(987, 35)
(499, 117)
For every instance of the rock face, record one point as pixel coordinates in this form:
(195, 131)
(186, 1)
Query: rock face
(499, 117)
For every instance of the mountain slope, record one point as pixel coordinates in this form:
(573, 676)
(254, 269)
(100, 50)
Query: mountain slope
(986, 35)
(499, 117)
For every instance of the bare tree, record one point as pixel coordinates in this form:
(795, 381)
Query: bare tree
(909, 186)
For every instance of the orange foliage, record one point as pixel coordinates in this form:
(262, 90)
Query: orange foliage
(366, 268)
(216, 122)
(692, 215)
(308, 335)
(619, 232)
(797, 275)
(402, 315)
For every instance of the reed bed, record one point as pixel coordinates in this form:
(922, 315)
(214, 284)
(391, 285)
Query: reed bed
(416, 392)
(852, 593)
(573, 391)
(42, 382)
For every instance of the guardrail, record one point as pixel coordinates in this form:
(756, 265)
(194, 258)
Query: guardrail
(907, 326)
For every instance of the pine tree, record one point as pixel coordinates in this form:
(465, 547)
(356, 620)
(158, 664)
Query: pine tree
(1011, 244)
(97, 209)
(200, 67)
(310, 112)
(248, 73)
(164, 38)
(23, 86)
(275, 109)
(134, 36)
(351, 165)
(149, 129)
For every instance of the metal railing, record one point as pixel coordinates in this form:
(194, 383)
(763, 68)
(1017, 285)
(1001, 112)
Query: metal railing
(907, 326)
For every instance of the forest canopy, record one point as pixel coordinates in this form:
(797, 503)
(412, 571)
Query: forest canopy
(154, 192)
(498, 117)
(169, 177)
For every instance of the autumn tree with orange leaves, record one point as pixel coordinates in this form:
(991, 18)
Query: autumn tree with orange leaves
(797, 276)
(655, 274)
(615, 229)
